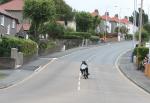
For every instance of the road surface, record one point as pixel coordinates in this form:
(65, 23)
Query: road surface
(60, 81)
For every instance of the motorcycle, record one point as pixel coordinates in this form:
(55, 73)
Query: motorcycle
(84, 74)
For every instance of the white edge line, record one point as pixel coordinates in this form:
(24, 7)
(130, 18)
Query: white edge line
(116, 65)
(30, 76)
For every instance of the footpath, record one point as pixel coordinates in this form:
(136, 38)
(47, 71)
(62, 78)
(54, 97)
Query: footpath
(130, 71)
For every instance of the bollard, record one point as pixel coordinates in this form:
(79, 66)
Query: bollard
(20, 57)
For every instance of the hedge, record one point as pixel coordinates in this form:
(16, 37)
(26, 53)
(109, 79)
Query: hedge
(44, 45)
(128, 36)
(94, 38)
(27, 47)
(142, 52)
(84, 35)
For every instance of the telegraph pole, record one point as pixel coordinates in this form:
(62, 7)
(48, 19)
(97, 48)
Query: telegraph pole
(140, 27)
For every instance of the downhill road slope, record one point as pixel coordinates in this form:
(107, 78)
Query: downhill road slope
(60, 81)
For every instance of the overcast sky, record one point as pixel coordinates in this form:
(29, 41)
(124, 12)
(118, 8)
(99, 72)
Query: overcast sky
(127, 6)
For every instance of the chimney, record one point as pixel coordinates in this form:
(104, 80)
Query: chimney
(97, 12)
(116, 15)
(106, 13)
(126, 17)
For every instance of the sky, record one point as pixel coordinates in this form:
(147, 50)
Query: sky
(122, 7)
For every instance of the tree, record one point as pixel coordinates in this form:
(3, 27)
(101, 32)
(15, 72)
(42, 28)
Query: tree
(144, 16)
(147, 27)
(84, 21)
(39, 11)
(144, 36)
(124, 30)
(53, 29)
(3, 1)
(96, 22)
(63, 10)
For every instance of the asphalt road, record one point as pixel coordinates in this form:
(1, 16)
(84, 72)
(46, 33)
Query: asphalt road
(60, 82)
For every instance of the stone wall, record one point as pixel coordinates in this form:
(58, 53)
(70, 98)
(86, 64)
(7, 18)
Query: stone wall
(7, 63)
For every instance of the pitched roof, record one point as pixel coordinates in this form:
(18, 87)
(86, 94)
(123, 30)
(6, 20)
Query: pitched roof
(13, 5)
(125, 21)
(104, 17)
(94, 14)
(115, 19)
(7, 14)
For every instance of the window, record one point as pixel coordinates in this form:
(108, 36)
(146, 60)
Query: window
(8, 29)
(13, 23)
(2, 20)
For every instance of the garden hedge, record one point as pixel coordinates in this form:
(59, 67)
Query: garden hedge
(27, 47)
(84, 35)
(142, 52)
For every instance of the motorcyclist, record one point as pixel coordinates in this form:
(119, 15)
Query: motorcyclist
(83, 67)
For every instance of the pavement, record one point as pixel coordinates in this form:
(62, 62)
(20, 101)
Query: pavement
(129, 69)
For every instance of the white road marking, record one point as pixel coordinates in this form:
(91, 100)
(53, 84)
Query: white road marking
(29, 77)
(116, 65)
(79, 82)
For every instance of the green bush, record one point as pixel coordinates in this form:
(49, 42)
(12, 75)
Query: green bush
(142, 52)
(144, 36)
(71, 37)
(128, 36)
(84, 35)
(54, 30)
(27, 47)
(94, 38)
(44, 45)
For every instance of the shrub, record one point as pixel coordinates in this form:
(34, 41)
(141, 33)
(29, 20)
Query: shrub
(94, 38)
(71, 37)
(144, 36)
(27, 47)
(128, 36)
(44, 45)
(84, 35)
(142, 52)
(53, 30)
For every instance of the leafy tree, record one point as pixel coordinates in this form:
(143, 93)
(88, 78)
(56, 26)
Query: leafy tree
(39, 11)
(144, 36)
(3, 1)
(53, 29)
(124, 30)
(63, 10)
(137, 13)
(84, 21)
(147, 27)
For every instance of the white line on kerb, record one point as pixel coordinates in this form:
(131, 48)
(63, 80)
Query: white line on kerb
(116, 65)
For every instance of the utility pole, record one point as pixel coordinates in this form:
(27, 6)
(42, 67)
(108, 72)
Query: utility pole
(134, 22)
(140, 27)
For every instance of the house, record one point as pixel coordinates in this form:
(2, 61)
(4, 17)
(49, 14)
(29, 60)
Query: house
(109, 24)
(69, 24)
(15, 8)
(8, 23)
